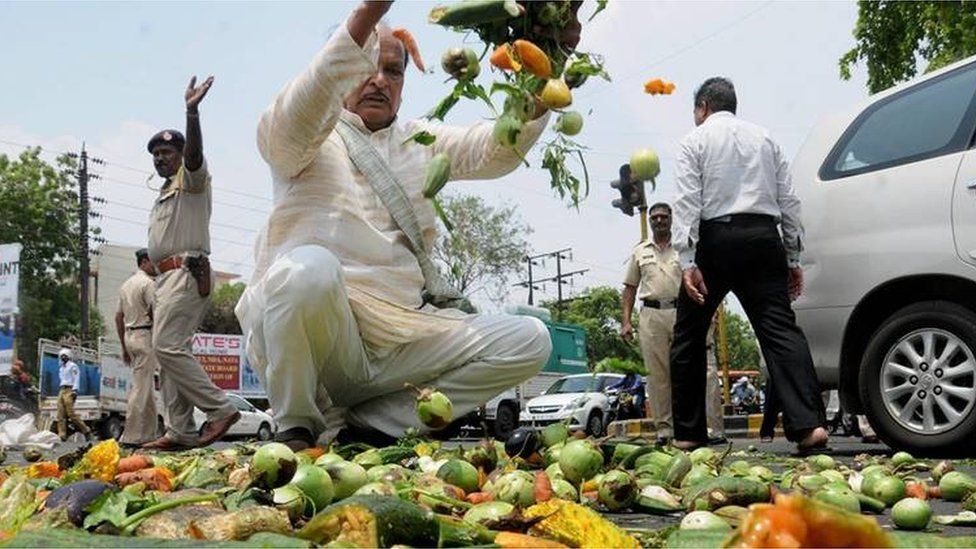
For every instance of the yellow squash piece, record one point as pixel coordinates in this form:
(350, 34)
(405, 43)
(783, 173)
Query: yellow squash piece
(577, 526)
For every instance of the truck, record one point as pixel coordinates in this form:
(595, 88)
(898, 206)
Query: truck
(501, 414)
(106, 380)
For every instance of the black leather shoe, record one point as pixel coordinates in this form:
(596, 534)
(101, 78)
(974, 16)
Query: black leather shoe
(378, 439)
(296, 438)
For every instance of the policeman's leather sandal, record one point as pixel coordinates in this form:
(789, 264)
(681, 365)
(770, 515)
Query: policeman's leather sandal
(213, 430)
(296, 438)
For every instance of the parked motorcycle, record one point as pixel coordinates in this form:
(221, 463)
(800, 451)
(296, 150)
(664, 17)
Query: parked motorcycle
(16, 399)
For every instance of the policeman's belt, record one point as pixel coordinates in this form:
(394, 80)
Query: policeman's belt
(660, 304)
(170, 263)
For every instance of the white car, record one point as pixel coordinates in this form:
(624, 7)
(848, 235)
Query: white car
(580, 397)
(253, 423)
(889, 205)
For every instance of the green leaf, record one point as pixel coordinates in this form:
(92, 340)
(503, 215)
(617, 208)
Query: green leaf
(422, 137)
(110, 507)
(600, 6)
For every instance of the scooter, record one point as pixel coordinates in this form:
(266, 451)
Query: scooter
(16, 399)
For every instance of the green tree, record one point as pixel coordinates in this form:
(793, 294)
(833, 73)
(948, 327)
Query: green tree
(220, 317)
(40, 211)
(597, 310)
(743, 347)
(892, 37)
(486, 246)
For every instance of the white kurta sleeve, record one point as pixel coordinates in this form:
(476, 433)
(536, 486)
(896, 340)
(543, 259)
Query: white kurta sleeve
(303, 115)
(474, 152)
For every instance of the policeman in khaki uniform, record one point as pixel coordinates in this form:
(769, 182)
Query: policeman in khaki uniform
(69, 376)
(133, 323)
(179, 243)
(654, 276)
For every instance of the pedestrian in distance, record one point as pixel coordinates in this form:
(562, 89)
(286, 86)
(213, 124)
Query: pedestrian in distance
(346, 305)
(737, 229)
(179, 247)
(133, 324)
(69, 376)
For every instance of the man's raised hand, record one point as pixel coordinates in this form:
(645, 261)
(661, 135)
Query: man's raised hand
(195, 94)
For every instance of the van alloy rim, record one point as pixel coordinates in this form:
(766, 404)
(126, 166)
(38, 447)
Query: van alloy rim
(928, 381)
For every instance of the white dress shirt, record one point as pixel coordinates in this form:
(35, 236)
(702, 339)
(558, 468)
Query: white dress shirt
(69, 374)
(730, 166)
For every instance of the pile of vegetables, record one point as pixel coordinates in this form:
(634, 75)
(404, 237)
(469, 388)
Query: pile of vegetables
(543, 488)
(533, 68)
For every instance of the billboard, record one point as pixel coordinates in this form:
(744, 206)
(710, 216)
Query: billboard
(221, 356)
(9, 282)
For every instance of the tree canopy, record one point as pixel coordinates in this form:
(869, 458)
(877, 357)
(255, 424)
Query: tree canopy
(894, 37)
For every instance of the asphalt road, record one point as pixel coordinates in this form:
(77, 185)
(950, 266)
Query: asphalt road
(770, 454)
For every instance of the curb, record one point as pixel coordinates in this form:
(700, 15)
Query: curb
(738, 427)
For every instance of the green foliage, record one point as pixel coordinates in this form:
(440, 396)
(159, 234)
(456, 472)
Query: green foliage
(40, 210)
(743, 347)
(598, 311)
(616, 365)
(891, 37)
(220, 317)
(486, 246)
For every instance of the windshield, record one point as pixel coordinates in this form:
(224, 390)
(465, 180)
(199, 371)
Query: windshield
(581, 384)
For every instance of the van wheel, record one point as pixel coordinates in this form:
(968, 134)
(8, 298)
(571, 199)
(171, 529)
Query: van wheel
(264, 432)
(160, 426)
(506, 420)
(594, 424)
(918, 378)
(112, 428)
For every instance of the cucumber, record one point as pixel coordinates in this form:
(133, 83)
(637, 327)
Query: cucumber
(721, 491)
(652, 506)
(696, 539)
(381, 521)
(630, 461)
(676, 471)
(870, 505)
(467, 13)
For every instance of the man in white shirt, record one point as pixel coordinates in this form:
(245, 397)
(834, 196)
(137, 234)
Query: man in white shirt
(69, 377)
(335, 316)
(734, 189)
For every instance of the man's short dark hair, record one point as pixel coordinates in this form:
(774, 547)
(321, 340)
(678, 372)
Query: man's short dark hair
(660, 206)
(141, 255)
(718, 93)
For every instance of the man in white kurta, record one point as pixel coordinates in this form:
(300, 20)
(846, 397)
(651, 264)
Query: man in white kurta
(334, 319)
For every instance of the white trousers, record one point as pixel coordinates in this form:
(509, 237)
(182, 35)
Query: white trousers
(305, 347)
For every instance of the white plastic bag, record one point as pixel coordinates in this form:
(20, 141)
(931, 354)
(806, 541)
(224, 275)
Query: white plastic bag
(22, 431)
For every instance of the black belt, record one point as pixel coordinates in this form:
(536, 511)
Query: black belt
(67, 387)
(658, 304)
(742, 219)
(139, 328)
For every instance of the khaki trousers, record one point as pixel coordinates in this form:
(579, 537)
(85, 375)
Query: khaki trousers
(177, 314)
(66, 413)
(140, 411)
(304, 345)
(715, 413)
(656, 333)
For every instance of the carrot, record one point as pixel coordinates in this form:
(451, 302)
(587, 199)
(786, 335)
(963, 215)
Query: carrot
(410, 43)
(315, 452)
(504, 59)
(533, 58)
(543, 488)
(156, 478)
(478, 497)
(514, 540)
(133, 463)
(916, 490)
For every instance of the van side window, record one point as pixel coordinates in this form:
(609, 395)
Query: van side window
(924, 121)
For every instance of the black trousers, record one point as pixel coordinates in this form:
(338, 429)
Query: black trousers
(745, 256)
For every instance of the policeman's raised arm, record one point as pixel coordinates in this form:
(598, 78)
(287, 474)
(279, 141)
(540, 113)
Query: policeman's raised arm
(193, 149)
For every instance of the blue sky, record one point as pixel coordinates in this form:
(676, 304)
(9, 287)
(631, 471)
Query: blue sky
(111, 74)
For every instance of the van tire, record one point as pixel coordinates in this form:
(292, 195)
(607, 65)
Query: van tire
(946, 320)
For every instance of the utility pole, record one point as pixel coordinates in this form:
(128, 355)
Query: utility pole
(83, 213)
(560, 278)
